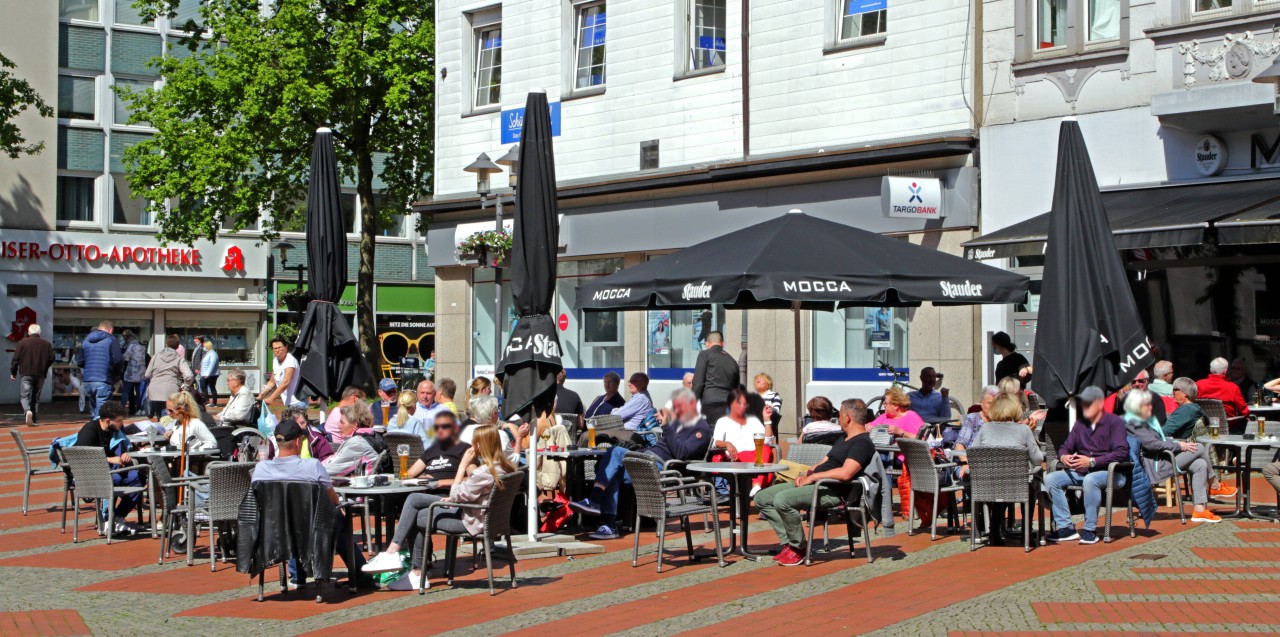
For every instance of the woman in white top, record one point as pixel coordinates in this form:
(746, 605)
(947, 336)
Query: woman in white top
(735, 434)
(186, 418)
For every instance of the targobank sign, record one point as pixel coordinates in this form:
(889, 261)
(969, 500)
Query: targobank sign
(912, 197)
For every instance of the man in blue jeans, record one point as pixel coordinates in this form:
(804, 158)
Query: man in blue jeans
(685, 438)
(100, 360)
(1097, 440)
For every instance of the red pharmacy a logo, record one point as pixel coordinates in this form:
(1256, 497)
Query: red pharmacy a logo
(234, 260)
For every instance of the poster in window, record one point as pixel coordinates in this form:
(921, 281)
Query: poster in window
(404, 341)
(878, 323)
(601, 328)
(702, 326)
(660, 332)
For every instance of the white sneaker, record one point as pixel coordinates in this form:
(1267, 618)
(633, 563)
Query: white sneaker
(31, 419)
(383, 563)
(407, 582)
(754, 490)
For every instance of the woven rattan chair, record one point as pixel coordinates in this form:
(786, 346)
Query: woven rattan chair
(92, 477)
(924, 479)
(807, 453)
(1000, 475)
(852, 509)
(38, 454)
(1113, 495)
(228, 484)
(396, 438)
(654, 501)
(496, 512)
(165, 489)
(1213, 408)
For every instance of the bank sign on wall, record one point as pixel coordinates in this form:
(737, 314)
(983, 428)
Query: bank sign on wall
(97, 253)
(912, 197)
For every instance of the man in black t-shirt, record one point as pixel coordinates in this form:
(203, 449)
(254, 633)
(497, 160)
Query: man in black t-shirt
(440, 461)
(102, 433)
(780, 504)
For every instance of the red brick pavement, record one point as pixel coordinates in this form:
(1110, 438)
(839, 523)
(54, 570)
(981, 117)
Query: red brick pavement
(196, 580)
(1158, 612)
(43, 623)
(1066, 633)
(94, 555)
(1269, 586)
(1254, 537)
(1206, 570)
(1237, 554)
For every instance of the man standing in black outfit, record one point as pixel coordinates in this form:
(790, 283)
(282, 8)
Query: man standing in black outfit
(31, 361)
(1011, 362)
(715, 374)
(568, 401)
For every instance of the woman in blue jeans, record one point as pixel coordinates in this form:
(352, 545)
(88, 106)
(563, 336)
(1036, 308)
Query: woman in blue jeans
(477, 473)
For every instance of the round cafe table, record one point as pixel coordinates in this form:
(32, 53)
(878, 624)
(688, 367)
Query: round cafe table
(385, 516)
(1243, 469)
(740, 495)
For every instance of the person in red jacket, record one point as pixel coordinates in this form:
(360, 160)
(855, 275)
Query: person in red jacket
(1219, 387)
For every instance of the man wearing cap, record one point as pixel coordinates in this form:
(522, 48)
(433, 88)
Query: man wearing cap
(1097, 440)
(290, 465)
(388, 393)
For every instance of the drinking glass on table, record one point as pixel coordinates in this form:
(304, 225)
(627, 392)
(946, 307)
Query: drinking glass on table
(1214, 427)
(1262, 426)
(758, 439)
(591, 434)
(386, 413)
(403, 452)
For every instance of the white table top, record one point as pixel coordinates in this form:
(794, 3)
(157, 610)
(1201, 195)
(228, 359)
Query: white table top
(1238, 441)
(173, 453)
(385, 490)
(735, 467)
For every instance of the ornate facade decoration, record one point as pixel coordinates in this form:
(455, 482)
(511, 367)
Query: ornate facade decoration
(1231, 60)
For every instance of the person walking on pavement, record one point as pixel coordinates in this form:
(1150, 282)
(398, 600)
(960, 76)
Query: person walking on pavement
(31, 361)
(168, 373)
(135, 369)
(209, 373)
(100, 359)
(197, 357)
(714, 376)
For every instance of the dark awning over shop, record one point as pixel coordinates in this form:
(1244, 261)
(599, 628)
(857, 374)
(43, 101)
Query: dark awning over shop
(1260, 225)
(1155, 217)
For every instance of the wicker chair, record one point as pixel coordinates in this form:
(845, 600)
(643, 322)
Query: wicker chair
(396, 438)
(1000, 475)
(165, 490)
(228, 484)
(497, 524)
(29, 469)
(1113, 495)
(924, 479)
(92, 477)
(653, 501)
(807, 453)
(852, 506)
(1214, 408)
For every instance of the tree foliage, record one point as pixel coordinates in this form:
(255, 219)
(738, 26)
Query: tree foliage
(16, 96)
(243, 95)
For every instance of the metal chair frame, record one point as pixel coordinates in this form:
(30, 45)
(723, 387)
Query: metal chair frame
(29, 453)
(92, 475)
(496, 511)
(665, 497)
(1001, 475)
(924, 479)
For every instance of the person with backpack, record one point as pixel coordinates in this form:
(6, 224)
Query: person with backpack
(356, 421)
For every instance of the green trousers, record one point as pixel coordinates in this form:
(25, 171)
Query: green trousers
(780, 505)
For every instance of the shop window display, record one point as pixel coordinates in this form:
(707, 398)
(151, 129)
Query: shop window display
(68, 333)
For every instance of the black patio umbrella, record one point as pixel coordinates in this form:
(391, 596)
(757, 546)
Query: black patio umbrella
(1089, 330)
(329, 358)
(801, 262)
(531, 359)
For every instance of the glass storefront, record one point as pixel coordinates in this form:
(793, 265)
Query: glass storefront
(674, 338)
(850, 343)
(235, 339)
(69, 333)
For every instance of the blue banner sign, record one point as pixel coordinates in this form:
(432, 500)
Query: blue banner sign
(866, 6)
(512, 123)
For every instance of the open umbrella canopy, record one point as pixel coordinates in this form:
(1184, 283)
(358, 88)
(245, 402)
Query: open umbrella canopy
(1089, 331)
(329, 358)
(796, 258)
(531, 359)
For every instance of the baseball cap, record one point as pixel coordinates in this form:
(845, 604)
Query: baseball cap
(387, 385)
(288, 430)
(1091, 394)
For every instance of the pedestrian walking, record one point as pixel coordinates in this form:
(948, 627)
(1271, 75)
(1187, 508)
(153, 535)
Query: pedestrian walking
(31, 361)
(715, 374)
(209, 373)
(135, 370)
(168, 373)
(197, 357)
(101, 360)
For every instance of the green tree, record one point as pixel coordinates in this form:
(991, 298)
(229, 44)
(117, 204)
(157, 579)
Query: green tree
(16, 96)
(243, 95)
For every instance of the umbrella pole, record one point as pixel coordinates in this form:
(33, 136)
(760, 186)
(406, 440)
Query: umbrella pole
(533, 483)
(795, 319)
(1071, 413)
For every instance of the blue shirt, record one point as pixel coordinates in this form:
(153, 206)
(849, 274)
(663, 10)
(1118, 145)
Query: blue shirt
(292, 468)
(635, 410)
(930, 408)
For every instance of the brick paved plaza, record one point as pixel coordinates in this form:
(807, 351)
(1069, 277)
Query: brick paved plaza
(1211, 579)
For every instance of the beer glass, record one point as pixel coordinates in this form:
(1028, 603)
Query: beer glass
(759, 440)
(386, 414)
(1214, 427)
(403, 452)
(1262, 426)
(591, 434)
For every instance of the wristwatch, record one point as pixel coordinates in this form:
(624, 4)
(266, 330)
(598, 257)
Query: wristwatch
(1092, 462)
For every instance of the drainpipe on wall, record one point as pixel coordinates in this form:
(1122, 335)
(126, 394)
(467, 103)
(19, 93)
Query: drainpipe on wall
(746, 79)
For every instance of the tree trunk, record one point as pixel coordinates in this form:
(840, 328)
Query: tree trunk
(365, 320)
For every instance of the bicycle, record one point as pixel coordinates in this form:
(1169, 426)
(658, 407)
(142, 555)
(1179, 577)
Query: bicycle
(899, 378)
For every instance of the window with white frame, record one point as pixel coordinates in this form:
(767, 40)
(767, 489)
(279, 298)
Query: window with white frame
(1050, 26)
(706, 34)
(1203, 6)
(78, 97)
(86, 10)
(861, 18)
(127, 209)
(127, 14)
(589, 41)
(76, 194)
(122, 110)
(488, 66)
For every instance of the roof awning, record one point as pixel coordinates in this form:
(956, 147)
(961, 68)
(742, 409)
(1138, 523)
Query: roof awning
(1260, 225)
(1156, 217)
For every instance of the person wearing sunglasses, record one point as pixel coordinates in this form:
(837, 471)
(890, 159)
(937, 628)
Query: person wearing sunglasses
(440, 460)
(1161, 407)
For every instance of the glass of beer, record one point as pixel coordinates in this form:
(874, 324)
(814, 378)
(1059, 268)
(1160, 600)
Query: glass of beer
(386, 414)
(759, 440)
(1214, 427)
(403, 452)
(1262, 426)
(591, 434)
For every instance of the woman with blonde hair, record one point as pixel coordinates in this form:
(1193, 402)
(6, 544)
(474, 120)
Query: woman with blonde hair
(481, 386)
(187, 424)
(482, 468)
(1012, 386)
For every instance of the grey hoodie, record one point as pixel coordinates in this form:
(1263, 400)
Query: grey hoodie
(167, 372)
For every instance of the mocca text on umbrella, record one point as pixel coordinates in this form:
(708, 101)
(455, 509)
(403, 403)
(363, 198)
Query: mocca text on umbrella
(539, 343)
(955, 290)
(696, 291)
(816, 286)
(612, 293)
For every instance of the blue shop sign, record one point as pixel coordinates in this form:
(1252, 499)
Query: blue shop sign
(513, 122)
(866, 6)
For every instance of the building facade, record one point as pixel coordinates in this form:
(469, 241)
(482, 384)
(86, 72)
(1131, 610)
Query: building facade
(677, 122)
(1183, 142)
(76, 247)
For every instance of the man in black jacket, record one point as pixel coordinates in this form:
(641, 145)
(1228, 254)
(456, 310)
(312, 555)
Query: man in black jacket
(715, 374)
(31, 361)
